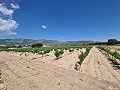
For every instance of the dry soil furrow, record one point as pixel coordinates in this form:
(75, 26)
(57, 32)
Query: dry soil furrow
(43, 76)
(25, 83)
(113, 74)
(67, 61)
(25, 64)
(106, 74)
(40, 78)
(86, 63)
(34, 72)
(99, 67)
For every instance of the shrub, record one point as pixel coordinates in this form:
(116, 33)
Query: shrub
(46, 52)
(37, 45)
(61, 51)
(82, 56)
(41, 52)
(58, 53)
(114, 54)
(71, 50)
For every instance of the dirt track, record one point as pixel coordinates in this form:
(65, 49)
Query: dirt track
(26, 73)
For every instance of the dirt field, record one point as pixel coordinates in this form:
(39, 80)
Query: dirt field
(97, 65)
(36, 73)
(113, 48)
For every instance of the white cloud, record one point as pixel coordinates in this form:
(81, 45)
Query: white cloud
(15, 6)
(44, 26)
(5, 11)
(7, 25)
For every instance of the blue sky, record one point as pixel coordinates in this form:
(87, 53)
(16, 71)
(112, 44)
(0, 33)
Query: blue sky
(65, 20)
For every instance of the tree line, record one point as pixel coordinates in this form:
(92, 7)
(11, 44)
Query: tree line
(109, 42)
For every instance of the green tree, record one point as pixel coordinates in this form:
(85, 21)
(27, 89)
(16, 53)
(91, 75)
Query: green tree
(37, 45)
(112, 41)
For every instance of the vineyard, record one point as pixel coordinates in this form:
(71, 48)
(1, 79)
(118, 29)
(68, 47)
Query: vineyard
(112, 56)
(59, 68)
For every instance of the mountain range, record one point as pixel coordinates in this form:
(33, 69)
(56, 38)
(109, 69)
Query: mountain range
(22, 41)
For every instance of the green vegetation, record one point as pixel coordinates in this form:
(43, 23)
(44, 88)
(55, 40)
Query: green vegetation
(36, 50)
(1, 81)
(113, 42)
(82, 56)
(115, 54)
(3, 48)
(109, 42)
(37, 45)
(0, 74)
(44, 50)
(58, 53)
(71, 50)
(41, 52)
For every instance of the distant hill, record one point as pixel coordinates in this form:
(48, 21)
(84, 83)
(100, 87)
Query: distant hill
(22, 41)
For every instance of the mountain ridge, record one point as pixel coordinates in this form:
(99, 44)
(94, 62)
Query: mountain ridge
(23, 41)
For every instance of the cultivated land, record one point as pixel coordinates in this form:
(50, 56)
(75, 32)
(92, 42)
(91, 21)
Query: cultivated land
(30, 71)
(97, 65)
(113, 48)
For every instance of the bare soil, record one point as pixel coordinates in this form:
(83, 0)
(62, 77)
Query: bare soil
(35, 72)
(97, 65)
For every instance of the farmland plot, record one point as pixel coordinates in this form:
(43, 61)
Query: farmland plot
(97, 65)
(114, 48)
(45, 73)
